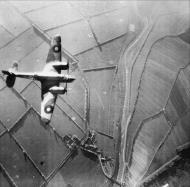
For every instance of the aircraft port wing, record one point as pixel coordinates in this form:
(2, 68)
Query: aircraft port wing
(47, 106)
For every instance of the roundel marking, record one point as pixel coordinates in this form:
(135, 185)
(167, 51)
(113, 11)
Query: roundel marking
(49, 109)
(57, 48)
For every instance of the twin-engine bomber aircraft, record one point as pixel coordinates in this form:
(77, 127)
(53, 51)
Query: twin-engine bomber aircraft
(50, 78)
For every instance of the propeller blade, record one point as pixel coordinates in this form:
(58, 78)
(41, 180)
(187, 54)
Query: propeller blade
(67, 73)
(66, 87)
(68, 65)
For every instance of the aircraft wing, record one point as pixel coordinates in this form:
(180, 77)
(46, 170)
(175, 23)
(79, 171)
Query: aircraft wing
(54, 53)
(66, 54)
(47, 106)
(48, 102)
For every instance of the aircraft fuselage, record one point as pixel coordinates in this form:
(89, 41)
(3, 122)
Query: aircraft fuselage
(49, 76)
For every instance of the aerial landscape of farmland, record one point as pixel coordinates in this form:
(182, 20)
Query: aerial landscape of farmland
(131, 61)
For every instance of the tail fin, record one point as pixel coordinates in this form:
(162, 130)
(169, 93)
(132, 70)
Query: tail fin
(14, 67)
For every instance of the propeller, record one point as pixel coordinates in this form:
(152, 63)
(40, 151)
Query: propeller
(66, 88)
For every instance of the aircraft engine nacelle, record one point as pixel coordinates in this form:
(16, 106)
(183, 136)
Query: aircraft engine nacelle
(57, 90)
(60, 65)
(10, 80)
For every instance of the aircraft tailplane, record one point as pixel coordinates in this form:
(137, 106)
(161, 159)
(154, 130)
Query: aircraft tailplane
(11, 77)
(10, 80)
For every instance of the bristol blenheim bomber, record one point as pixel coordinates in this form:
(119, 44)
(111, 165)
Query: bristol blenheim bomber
(50, 78)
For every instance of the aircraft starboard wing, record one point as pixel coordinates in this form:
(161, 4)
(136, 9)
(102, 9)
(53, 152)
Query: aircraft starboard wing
(66, 54)
(54, 53)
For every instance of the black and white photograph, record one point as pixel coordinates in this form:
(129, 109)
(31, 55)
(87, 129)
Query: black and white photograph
(95, 93)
